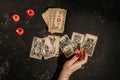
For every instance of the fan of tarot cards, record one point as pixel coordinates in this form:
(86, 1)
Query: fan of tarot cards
(49, 46)
(55, 19)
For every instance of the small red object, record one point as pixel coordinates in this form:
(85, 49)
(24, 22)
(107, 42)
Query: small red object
(20, 31)
(15, 17)
(78, 55)
(30, 12)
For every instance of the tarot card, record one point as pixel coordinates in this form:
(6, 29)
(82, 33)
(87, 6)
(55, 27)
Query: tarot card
(45, 18)
(77, 39)
(55, 19)
(36, 51)
(49, 14)
(90, 43)
(66, 46)
(58, 20)
(55, 42)
(47, 48)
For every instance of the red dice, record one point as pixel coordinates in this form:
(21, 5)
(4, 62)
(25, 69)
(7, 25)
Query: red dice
(30, 12)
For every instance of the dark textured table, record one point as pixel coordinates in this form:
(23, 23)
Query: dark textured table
(97, 17)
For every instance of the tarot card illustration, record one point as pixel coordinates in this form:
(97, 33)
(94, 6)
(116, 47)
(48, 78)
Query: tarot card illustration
(66, 46)
(90, 43)
(47, 48)
(36, 51)
(55, 43)
(77, 39)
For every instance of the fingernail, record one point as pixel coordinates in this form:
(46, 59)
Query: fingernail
(78, 48)
(84, 55)
(84, 51)
(77, 55)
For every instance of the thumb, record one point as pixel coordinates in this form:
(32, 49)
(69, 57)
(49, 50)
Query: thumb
(74, 59)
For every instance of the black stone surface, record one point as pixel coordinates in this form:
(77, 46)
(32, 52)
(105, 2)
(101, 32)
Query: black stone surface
(97, 17)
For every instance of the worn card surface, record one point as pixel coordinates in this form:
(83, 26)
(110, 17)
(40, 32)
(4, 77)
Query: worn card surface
(36, 51)
(77, 39)
(66, 46)
(58, 20)
(55, 19)
(47, 48)
(45, 17)
(55, 43)
(90, 43)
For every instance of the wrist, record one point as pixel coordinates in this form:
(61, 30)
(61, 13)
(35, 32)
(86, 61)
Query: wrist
(63, 76)
(66, 72)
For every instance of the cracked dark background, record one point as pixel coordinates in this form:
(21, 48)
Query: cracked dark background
(97, 17)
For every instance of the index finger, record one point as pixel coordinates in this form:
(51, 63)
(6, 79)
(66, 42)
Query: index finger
(85, 58)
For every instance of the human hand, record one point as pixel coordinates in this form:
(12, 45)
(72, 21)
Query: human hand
(74, 63)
